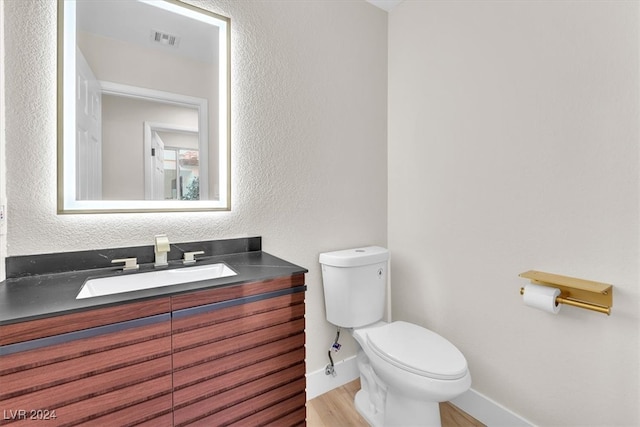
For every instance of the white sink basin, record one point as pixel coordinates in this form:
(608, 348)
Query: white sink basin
(152, 279)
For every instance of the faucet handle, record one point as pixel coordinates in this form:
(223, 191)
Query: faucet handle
(129, 263)
(190, 257)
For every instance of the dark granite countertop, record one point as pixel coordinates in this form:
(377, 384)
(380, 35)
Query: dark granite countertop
(36, 296)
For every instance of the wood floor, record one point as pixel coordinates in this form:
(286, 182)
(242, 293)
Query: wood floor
(336, 409)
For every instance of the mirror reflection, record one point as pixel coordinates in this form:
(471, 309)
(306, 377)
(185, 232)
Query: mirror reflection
(145, 107)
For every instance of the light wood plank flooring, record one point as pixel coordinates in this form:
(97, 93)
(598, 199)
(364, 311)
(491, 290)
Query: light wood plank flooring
(336, 409)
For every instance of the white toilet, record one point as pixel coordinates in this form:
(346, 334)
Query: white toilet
(405, 369)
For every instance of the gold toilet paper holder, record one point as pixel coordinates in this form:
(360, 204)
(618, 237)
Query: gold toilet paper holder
(581, 293)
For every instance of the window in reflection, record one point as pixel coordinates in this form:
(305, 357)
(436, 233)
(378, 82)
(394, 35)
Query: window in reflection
(181, 174)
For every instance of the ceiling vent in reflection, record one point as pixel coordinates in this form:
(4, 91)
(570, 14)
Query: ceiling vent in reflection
(164, 38)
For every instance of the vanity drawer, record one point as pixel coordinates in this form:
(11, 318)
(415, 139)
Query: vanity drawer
(210, 296)
(34, 329)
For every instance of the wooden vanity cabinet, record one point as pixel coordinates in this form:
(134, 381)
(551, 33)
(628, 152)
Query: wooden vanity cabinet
(225, 356)
(113, 375)
(238, 355)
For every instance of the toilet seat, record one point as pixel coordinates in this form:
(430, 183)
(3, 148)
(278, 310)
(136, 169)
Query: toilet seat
(417, 350)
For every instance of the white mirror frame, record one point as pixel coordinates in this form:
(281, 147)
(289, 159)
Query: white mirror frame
(67, 203)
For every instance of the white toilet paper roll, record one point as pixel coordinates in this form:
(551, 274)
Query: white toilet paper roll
(541, 297)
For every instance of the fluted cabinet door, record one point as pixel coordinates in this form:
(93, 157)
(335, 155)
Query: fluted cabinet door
(113, 375)
(238, 359)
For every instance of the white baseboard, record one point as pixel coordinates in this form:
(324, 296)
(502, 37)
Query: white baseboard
(473, 403)
(487, 411)
(319, 383)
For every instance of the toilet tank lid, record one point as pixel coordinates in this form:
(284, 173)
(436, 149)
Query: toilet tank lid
(355, 257)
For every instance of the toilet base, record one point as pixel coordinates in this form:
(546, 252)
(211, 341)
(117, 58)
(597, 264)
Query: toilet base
(398, 412)
(383, 406)
(402, 411)
(363, 406)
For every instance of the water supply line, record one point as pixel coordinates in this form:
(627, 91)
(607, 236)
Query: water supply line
(335, 347)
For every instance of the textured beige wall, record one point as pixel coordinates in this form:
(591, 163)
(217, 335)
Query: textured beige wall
(309, 171)
(513, 145)
(3, 182)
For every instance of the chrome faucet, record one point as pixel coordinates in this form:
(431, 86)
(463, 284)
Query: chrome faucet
(161, 248)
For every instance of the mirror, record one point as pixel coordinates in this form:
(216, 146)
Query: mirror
(143, 107)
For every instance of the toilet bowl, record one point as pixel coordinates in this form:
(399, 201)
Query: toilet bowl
(405, 369)
(410, 370)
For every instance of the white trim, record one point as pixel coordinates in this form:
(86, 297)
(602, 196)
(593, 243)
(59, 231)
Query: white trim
(473, 403)
(119, 89)
(488, 411)
(319, 383)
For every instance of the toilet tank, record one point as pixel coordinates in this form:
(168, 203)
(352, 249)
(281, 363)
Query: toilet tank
(354, 282)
